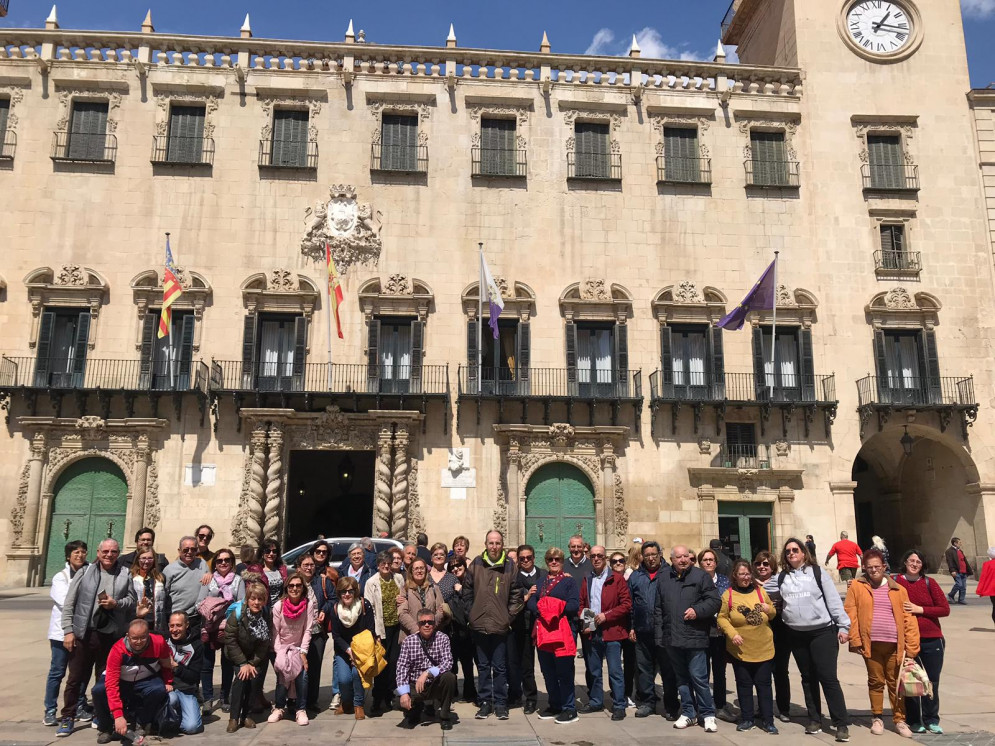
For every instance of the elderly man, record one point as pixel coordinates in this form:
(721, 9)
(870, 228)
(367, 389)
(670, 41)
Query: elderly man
(184, 584)
(187, 653)
(144, 540)
(606, 594)
(424, 673)
(497, 600)
(686, 602)
(100, 601)
(521, 646)
(578, 566)
(410, 553)
(138, 680)
(356, 566)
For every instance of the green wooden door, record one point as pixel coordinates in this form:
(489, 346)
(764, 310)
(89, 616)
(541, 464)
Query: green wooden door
(560, 504)
(91, 499)
(745, 529)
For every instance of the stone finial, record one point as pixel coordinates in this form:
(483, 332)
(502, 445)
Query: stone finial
(634, 50)
(147, 27)
(544, 44)
(246, 31)
(451, 39)
(350, 35)
(52, 22)
(720, 53)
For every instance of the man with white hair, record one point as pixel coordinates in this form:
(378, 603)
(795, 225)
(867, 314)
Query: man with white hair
(183, 584)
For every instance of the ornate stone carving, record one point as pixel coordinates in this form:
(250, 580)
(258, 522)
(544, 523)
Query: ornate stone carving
(416, 522)
(749, 479)
(422, 111)
(255, 517)
(396, 285)
(687, 292)
(274, 483)
(70, 274)
(164, 99)
(614, 122)
(898, 298)
(621, 514)
(781, 448)
(705, 447)
(500, 516)
(91, 427)
(594, 289)
(14, 96)
(399, 489)
(906, 131)
(788, 127)
(66, 98)
(381, 490)
(561, 432)
(152, 513)
(519, 113)
(608, 457)
(20, 505)
(347, 226)
(661, 121)
(267, 102)
(784, 296)
(239, 531)
(283, 281)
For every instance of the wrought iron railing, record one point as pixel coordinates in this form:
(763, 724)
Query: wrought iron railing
(743, 456)
(329, 378)
(549, 382)
(898, 261)
(913, 391)
(761, 173)
(498, 162)
(288, 154)
(8, 144)
(409, 159)
(596, 166)
(674, 170)
(101, 374)
(180, 150)
(744, 387)
(890, 178)
(83, 147)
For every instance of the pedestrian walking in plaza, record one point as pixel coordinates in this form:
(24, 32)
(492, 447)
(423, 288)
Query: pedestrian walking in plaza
(144, 539)
(204, 535)
(352, 615)
(271, 569)
(817, 625)
(187, 653)
(383, 591)
(884, 633)
(744, 620)
(75, 561)
(765, 570)
(927, 603)
(960, 571)
(605, 593)
(418, 593)
(619, 562)
(986, 583)
(708, 560)
(224, 589)
(321, 593)
(847, 553)
(95, 614)
(184, 585)
(810, 545)
(554, 602)
(293, 617)
(247, 646)
(424, 673)
(686, 604)
(650, 658)
(464, 652)
(139, 670)
(521, 642)
(149, 589)
(497, 600)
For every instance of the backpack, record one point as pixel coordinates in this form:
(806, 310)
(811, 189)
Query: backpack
(236, 606)
(817, 574)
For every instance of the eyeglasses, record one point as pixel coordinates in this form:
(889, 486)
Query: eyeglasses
(551, 560)
(596, 556)
(295, 586)
(146, 559)
(762, 563)
(650, 555)
(188, 550)
(321, 551)
(792, 550)
(108, 551)
(618, 561)
(347, 592)
(205, 537)
(426, 623)
(269, 551)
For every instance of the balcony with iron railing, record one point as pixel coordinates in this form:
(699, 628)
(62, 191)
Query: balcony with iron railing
(8, 145)
(288, 154)
(890, 178)
(897, 262)
(583, 166)
(176, 150)
(499, 162)
(743, 456)
(945, 395)
(772, 174)
(672, 170)
(403, 159)
(81, 147)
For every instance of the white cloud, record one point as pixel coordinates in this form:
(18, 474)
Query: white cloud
(649, 41)
(601, 42)
(978, 8)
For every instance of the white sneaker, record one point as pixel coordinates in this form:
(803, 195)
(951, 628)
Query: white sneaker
(710, 725)
(336, 701)
(276, 716)
(629, 703)
(684, 722)
(302, 717)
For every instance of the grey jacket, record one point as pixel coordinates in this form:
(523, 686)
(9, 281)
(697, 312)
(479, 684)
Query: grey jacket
(82, 597)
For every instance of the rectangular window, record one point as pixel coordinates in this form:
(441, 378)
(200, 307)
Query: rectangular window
(681, 154)
(171, 355)
(88, 131)
(770, 162)
(908, 367)
(4, 113)
(791, 377)
(186, 134)
(499, 358)
(290, 138)
(893, 255)
(399, 143)
(596, 372)
(497, 147)
(689, 362)
(279, 357)
(741, 445)
(886, 161)
(63, 341)
(592, 150)
(395, 355)
(783, 372)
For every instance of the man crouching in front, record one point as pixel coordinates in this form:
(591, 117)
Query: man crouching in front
(424, 674)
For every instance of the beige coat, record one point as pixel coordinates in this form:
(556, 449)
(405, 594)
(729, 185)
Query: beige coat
(374, 595)
(407, 612)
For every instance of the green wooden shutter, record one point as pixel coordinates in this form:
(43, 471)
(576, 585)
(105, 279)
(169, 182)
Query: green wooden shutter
(43, 365)
(621, 372)
(373, 354)
(667, 361)
(249, 329)
(591, 158)
(186, 134)
(300, 353)
(931, 366)
(770, 167)
(881, 361)
(417, 354)
(524, 356)
(717, 365)
(149, 326)
(88, 131)
(472, 370)
(290, 138)
(187, 322)
(886, 162)
(4, 114)
(681, 154)
(806, 367)
(399, 142)
(760, 379)
(80, 347)
(570, 329)
(497, 147)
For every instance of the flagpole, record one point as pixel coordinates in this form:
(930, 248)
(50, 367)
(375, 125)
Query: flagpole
(480, 320)
(328, 292)
(773, 333)
(172, 351)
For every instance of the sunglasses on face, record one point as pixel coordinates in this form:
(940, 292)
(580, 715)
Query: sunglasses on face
(188, 550)
(321, 551)
(269, 551)
(347, 593)
(557, 560)
(205, 537)
(762, 563)
(618, 561)
(526, 557)
(295, 586)
(426, 623)
(596, 556)
(792, 550)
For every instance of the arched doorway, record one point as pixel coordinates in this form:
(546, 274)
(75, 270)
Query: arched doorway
(918, 500)
(91, 499)
(559, 504)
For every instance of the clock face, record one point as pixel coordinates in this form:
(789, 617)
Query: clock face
(879, 27)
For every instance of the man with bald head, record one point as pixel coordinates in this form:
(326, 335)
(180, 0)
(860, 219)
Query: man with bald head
(497, 600)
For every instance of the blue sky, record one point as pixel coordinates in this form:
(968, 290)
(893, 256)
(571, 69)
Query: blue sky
(665, 28)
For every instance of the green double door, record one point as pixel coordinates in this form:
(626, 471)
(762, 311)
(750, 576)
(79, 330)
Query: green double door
(745, 529)
(560, 504)
(91, 498)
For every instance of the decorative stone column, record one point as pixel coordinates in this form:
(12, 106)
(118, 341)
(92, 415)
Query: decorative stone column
(255, 516)
(605, 509)
(399, 487)
(846, 516)
(516, 496)
(274, 483)
(32, 508)
(381, 492)
(139, 492)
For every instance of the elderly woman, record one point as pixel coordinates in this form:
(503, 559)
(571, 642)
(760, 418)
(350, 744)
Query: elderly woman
(439, 572)
(247, 644)
(884, 633)
(383, 591)
(293, 617)
(765, 572)
(351, 615)
(708, 561)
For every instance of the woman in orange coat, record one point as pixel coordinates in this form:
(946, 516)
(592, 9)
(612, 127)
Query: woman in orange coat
(884, 633)
(986, 583)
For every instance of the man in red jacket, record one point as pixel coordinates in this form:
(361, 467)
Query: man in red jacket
(847, 554)
(604, 596)
(138, 680)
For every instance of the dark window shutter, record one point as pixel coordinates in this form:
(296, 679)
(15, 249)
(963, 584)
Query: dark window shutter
(249, 326)
(80, 347)
(931, 359)
(43, 366)
(4, 113)
(88, 130)
(717, 364)
(290, 138)
(760, 379)
(186, 348)
(186, 134)
(591, 150)
(681, 154)
(667, 361)
(806, 364)
(884, 154)
(770, 166)
(417, 354)
(621, 360)
(373, 352)
(571, 338)
(399, 142)
(881, 361)
(472, 370)
(300, 352)
(497, 147)
(524, 354)
(149, 326)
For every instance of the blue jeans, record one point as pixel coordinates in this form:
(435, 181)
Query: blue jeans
(349, 683)
(559, 676)
(56, 673)
(959, 591)
(143, 699)
(187, 706)
(492, 668)
(300, 684)
(691, 670)
(207, 675)
(598, 651)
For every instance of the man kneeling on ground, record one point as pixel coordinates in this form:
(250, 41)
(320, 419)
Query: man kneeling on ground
(188, 662)
(424, 673)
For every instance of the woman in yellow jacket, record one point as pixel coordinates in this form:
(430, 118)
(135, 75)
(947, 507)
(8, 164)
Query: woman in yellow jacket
(884, 633)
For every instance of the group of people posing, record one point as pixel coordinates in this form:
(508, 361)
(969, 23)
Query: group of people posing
(404, 621)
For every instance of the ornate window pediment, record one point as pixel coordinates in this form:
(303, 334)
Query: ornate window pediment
(519, 299)
(684, 303)
(147, 291)
(280, 291)
(596, 299)
(768, 122)
(899, 309)
(794, 307)
(397, 295)
(67, 286)
(412, 106)
(902, 126)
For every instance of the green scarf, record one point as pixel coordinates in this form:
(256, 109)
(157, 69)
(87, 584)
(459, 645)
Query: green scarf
(500, 560)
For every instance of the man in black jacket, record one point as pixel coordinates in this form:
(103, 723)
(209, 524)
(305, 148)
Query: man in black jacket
(686, 602)
(144, 539)
(188, 661)
(521, 647)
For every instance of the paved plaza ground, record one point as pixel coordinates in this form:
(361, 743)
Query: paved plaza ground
(967, 695)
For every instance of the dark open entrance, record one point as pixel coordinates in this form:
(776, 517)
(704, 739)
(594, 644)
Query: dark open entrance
(330, 493)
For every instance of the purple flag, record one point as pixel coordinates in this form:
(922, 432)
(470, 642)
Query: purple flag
(761, 298)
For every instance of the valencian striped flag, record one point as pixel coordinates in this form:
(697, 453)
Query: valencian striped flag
(334, 288)
(171, 290)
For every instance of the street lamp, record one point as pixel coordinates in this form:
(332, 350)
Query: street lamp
(345, 474)
(907, 442)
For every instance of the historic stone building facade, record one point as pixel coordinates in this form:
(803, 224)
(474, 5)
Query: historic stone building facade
(624, 205)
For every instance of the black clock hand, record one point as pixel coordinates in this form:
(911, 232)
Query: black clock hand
(889, 27)
(880, 23)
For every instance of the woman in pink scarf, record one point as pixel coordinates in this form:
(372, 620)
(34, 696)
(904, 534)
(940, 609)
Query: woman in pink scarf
(293, 617)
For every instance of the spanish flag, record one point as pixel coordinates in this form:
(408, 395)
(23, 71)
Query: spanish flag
(334, 288)
(171, 290)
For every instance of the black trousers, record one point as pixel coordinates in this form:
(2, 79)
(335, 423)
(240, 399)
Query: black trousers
(750, 676)
(89, 654)
(521, 666)
(926, 710)
(650, 660)
(242, 694)
(816, 653)
(315, 657)
(782, 657)
(463, 656)
(384, 684)
(629, 666)
(717, 662)
(440, 693)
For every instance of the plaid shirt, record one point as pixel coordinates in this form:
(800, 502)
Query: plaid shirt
(418, 655)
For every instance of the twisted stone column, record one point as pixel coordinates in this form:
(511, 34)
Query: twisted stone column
(274, 481)
(399, 488)
(254, 518)
(381, 493)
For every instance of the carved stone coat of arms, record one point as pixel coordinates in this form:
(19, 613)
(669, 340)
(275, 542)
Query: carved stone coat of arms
(350, 227)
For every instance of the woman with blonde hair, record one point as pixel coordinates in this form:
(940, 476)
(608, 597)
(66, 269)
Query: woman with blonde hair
(419, 593)
(149, 584)
(634, 561)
